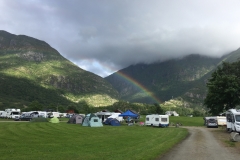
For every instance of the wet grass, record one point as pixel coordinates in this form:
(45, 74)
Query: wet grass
(68, 141)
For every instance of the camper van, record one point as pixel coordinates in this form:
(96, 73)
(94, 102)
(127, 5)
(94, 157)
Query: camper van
(157, 120)
(233, 120)
(12, 113)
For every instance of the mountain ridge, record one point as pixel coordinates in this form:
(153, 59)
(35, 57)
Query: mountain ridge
(181, 78)
(36, 61)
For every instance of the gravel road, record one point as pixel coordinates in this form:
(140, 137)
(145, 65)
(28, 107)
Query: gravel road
(201, 144)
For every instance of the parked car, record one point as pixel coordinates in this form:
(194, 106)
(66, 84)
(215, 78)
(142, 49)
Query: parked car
(212, 123)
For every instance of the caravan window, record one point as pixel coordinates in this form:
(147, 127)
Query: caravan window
(157, 119)
(95, 120)
(164, 119)
(229, 119)
(237, 118)
(147, 119)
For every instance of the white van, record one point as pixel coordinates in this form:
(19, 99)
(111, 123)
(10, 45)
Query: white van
(12, 113)
(233, 120)
(157, 120)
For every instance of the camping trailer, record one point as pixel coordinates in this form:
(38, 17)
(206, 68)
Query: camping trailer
(2, 114)
(233, 120)
(157, 120)
(221, 120)
(103, 115)
(116, 116)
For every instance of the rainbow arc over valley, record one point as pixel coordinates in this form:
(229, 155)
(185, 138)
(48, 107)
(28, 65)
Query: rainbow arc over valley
(139, 85)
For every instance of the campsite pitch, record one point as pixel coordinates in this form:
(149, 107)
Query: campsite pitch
(46, 140)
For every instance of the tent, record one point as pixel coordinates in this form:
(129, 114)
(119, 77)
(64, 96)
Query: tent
(76, 119)
(92, 120)
(128, 113)
(114, 122)
(54, 120)
(107, 122)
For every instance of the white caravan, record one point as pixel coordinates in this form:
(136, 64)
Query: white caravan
(157, 120)
(221, 120)
(116, 116)
(233, 120)
(4, 114)
(103, 116)
(36, 114)
(1, 113)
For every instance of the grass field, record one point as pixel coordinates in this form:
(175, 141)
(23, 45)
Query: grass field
(187, 121)
(43, 140)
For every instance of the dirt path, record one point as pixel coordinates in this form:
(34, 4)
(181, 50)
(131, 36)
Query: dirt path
(201, 144)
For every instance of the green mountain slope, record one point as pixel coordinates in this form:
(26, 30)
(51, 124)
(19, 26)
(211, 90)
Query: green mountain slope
(31, 69)
(183, 79)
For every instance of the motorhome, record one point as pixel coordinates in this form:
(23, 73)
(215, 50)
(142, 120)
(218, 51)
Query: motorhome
(233, 120)
(157, 120)
(12, 113)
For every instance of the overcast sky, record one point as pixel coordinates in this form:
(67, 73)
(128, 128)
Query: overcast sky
(103, 36)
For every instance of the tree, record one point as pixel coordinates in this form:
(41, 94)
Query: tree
(159, 110)
(35, 106)
(223, 88)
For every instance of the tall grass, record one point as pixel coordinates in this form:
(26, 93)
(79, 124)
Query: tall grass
(69, 141)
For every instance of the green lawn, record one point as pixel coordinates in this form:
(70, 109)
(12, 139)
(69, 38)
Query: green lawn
(63, 141)
(187, 121)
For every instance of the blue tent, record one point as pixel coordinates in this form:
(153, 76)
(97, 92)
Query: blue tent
(107, 122)
(114, 122)
(128, 113)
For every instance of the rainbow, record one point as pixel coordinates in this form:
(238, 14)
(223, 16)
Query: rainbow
(139, 85)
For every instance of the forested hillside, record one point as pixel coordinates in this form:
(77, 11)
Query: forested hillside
(183, 80)
(31, 70)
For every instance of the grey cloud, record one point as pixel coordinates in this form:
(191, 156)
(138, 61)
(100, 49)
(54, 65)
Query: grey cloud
(105, 36)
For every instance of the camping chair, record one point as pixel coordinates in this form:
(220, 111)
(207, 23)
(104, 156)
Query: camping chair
(141, 123)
